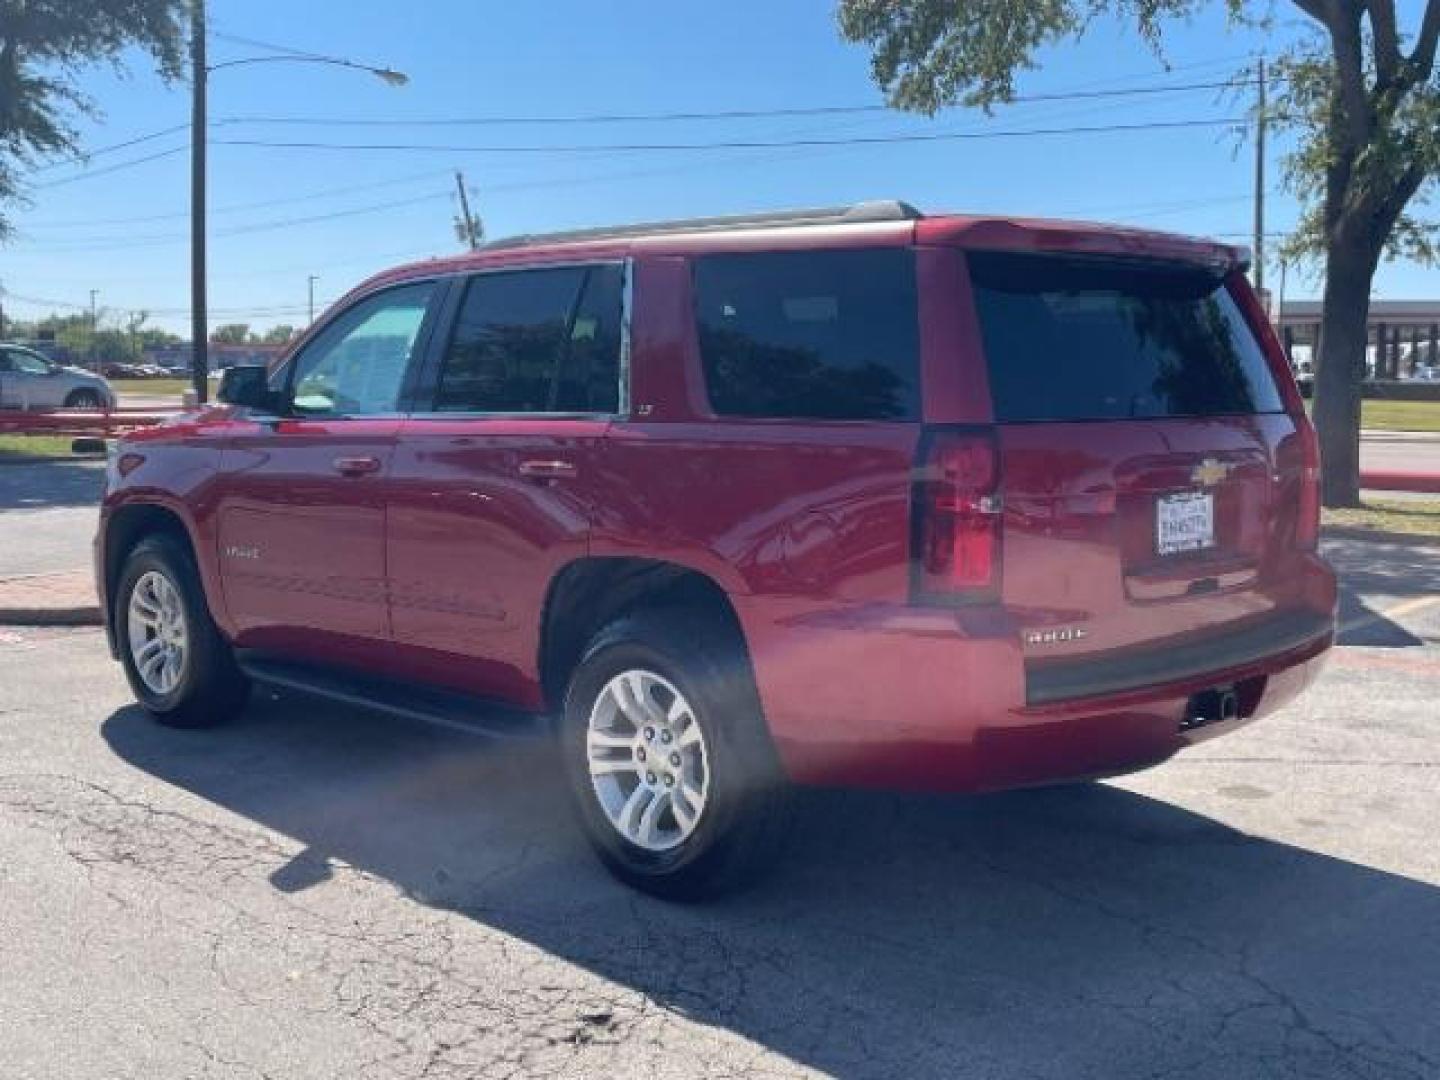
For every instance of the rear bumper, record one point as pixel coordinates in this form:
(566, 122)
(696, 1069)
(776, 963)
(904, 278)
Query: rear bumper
(1173, 663)
(925, 701)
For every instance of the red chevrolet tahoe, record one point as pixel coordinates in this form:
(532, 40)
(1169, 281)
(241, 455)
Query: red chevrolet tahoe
(855, 497)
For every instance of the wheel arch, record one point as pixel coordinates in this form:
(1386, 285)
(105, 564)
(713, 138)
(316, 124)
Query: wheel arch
(77, 392)
(589, 593)
(125, 527)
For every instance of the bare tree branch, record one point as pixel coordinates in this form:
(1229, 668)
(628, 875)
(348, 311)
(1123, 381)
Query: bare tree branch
(1422, 59)
(1387, 40)
(1319, 10)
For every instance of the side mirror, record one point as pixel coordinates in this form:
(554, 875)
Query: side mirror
(247, 386)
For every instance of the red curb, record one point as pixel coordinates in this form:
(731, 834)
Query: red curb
(1401, 481)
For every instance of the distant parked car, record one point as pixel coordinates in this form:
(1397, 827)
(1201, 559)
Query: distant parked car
(1427, 374)
(31, 382)
(1304, 372)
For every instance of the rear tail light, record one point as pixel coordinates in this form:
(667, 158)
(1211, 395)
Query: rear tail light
(956, 545)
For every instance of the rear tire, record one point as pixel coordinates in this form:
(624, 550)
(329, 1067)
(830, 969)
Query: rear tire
(671, 766)
(83, 399)
(178, 665)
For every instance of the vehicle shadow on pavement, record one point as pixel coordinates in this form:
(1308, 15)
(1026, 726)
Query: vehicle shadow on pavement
(1082, 931)
(45, 485)
(1376, 567)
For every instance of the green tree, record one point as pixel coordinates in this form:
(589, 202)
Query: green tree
(1362, 96)
(232, 334)
(43, 46)
(278, 335)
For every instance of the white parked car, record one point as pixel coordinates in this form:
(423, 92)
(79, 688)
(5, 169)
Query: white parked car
(30, 381)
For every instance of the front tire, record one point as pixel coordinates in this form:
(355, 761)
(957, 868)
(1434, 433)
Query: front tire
(179, 667)
(669, 761)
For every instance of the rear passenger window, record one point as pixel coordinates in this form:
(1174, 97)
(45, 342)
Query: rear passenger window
(1078, 339)
(830, 335)
(536, 341)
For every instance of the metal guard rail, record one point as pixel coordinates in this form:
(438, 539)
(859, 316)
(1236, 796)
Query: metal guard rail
(81, 422)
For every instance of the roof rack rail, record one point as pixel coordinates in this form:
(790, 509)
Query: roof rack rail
(874, 210)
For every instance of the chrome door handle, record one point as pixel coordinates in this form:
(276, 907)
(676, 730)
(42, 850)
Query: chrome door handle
(357, 466)
(547, 470)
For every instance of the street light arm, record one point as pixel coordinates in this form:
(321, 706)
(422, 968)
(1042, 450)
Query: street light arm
(389, 75)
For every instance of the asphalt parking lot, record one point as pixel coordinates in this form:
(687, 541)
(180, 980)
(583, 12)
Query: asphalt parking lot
(316, 892)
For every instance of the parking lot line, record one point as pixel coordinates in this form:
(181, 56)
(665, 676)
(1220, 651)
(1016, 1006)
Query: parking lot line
(1405, 607)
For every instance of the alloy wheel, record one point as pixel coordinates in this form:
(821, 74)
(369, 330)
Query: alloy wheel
(648, 760)
(158, 633)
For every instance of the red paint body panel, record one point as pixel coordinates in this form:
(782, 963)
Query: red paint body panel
(473, 544)
(436, 567)
(301, 546)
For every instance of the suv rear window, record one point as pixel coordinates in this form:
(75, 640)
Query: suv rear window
(828, 335)
(1077, 339)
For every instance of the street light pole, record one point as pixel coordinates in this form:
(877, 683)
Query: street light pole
(199, 315)
(313, 278)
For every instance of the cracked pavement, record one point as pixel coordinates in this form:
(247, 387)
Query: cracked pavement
(315, 892)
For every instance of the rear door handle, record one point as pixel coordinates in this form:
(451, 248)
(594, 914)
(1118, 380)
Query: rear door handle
(357, 466)
(547, 470)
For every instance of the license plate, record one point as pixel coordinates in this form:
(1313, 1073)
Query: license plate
(1184, 522)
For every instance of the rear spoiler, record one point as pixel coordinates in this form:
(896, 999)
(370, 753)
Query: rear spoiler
(1041, 236)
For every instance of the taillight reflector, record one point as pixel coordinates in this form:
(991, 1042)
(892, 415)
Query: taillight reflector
(1307, 521)
(957, 516)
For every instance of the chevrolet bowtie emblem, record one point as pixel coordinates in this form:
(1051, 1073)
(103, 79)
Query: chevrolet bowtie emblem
(1209, 472)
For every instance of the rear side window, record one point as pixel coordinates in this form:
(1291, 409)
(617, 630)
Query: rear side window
(1076, 339)
(545, 340)
(828, 335)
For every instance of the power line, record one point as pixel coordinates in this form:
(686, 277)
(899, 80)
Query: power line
(89, 154)
(326, 193)
(255, 43)
(691, 117)
(333, 215)
(740, 144)
(164, 239)
(92, 174)
(584, 118)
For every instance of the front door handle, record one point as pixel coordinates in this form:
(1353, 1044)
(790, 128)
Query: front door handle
(547, 470)
(357, 466)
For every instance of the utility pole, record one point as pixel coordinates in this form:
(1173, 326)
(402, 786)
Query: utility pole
(467, 223)
(1280, 300)
(313, 278)
(94, 325)
(1260, 121)
(199, 316)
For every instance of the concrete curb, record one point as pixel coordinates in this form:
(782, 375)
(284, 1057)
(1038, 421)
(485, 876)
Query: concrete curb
(1378, 536)
(71, 616)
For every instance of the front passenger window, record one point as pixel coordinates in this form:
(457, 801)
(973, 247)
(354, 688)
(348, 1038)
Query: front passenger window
(356, 366)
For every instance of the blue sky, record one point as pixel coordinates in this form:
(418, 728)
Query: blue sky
(565, 57)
